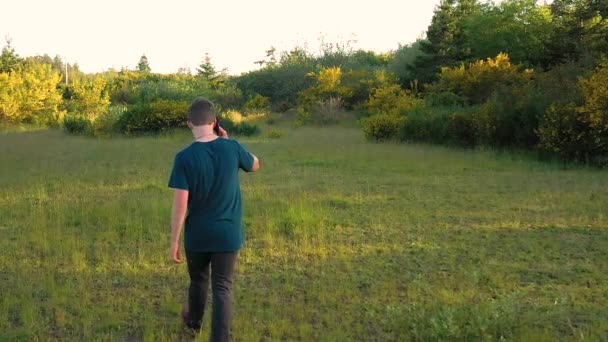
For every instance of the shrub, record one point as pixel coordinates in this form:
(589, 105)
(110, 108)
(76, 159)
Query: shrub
(239, 128)
(30, 94)
(282, 107)
(157, 117)
(392, 100)
(444, 98)
(461, 129)
(245, 129)
(227, 97)
(580, 132)
(257, 104)
(271, 120)
(106, 124)
(477, 82)
(428, 125)
(383, 127)
(275, 134)
(78, 125)
(303, 116)
(235, 123)
(89, 97)
(280, 83)
(234, 116)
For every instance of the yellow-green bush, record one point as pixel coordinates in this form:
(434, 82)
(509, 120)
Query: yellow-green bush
(30, 94)
(392, 99)
(233, 115)
(89, 97)
(105, 125)
(580, 132)
(257, 104)
(477, 82)
(157, 117)
(275, 134)
(383, 126)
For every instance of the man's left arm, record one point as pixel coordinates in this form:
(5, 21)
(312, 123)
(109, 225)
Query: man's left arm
(178, 216)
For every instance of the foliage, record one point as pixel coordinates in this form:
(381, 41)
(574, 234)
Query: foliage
(445, 44)
(78, 125)
(208, 72)
(155, 117)
(477, 82)
(403, 60)
(89, 97)
(143, 66)
(106, 125)
(280, 84)
(29, 94)
(282, 79)
(9, 59)
(235, 124)
(275, 134)
(383, 126)
(580, 132)
(392, 99)
(580, 28)
(227, 97)
(257, 104)
(520, 28)
(430, 125)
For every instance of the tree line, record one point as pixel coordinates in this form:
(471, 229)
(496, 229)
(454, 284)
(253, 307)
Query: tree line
(518, 73)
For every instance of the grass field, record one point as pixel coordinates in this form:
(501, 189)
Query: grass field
(346, 240)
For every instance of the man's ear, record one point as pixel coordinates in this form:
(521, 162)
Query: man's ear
(190, 125)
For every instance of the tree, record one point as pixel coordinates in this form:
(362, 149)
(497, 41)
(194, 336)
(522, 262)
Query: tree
(207, 71)
(270, 59)
(520, 28)
(9, 59)
(445, 43)
(581, 29)
(403, 60)
(30, 94)
(143, 65)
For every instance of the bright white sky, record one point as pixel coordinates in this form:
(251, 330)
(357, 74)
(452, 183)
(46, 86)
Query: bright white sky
(114, 33)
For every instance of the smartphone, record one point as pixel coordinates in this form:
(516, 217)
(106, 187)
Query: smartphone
(216, 126)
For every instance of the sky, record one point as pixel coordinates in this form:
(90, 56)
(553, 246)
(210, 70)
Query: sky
(99, 35)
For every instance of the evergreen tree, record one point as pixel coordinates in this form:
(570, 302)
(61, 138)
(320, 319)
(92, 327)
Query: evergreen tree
(207, 71)
(144, 65)
(445, 43)
(581, 29)
(9, 59)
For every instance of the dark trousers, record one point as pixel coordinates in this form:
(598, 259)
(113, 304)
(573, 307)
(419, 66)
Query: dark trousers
(222, 274)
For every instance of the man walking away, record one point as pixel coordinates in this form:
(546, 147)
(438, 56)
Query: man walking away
(205, 177)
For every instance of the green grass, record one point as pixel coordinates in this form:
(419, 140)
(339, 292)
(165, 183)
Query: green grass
(346, 240)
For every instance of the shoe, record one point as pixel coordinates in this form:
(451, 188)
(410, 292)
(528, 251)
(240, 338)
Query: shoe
(187, 321)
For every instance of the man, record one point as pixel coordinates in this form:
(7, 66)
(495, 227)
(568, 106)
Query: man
(205, 177)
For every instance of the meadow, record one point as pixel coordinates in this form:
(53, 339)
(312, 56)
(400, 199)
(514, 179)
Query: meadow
(345, 240)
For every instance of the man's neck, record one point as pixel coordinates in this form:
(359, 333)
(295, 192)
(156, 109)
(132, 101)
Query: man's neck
(203, 133)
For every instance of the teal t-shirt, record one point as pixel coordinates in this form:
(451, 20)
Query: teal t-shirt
(210, 173)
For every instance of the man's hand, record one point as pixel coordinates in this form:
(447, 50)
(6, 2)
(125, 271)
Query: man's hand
(176, 253)
(222, 132)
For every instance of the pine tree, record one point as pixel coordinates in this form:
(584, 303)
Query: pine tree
(445, 43)
(207, 71)
(581, 29)
(9, 59)
(144, 65)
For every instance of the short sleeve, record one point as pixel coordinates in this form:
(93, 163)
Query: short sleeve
(178, 179)
(245, 158)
